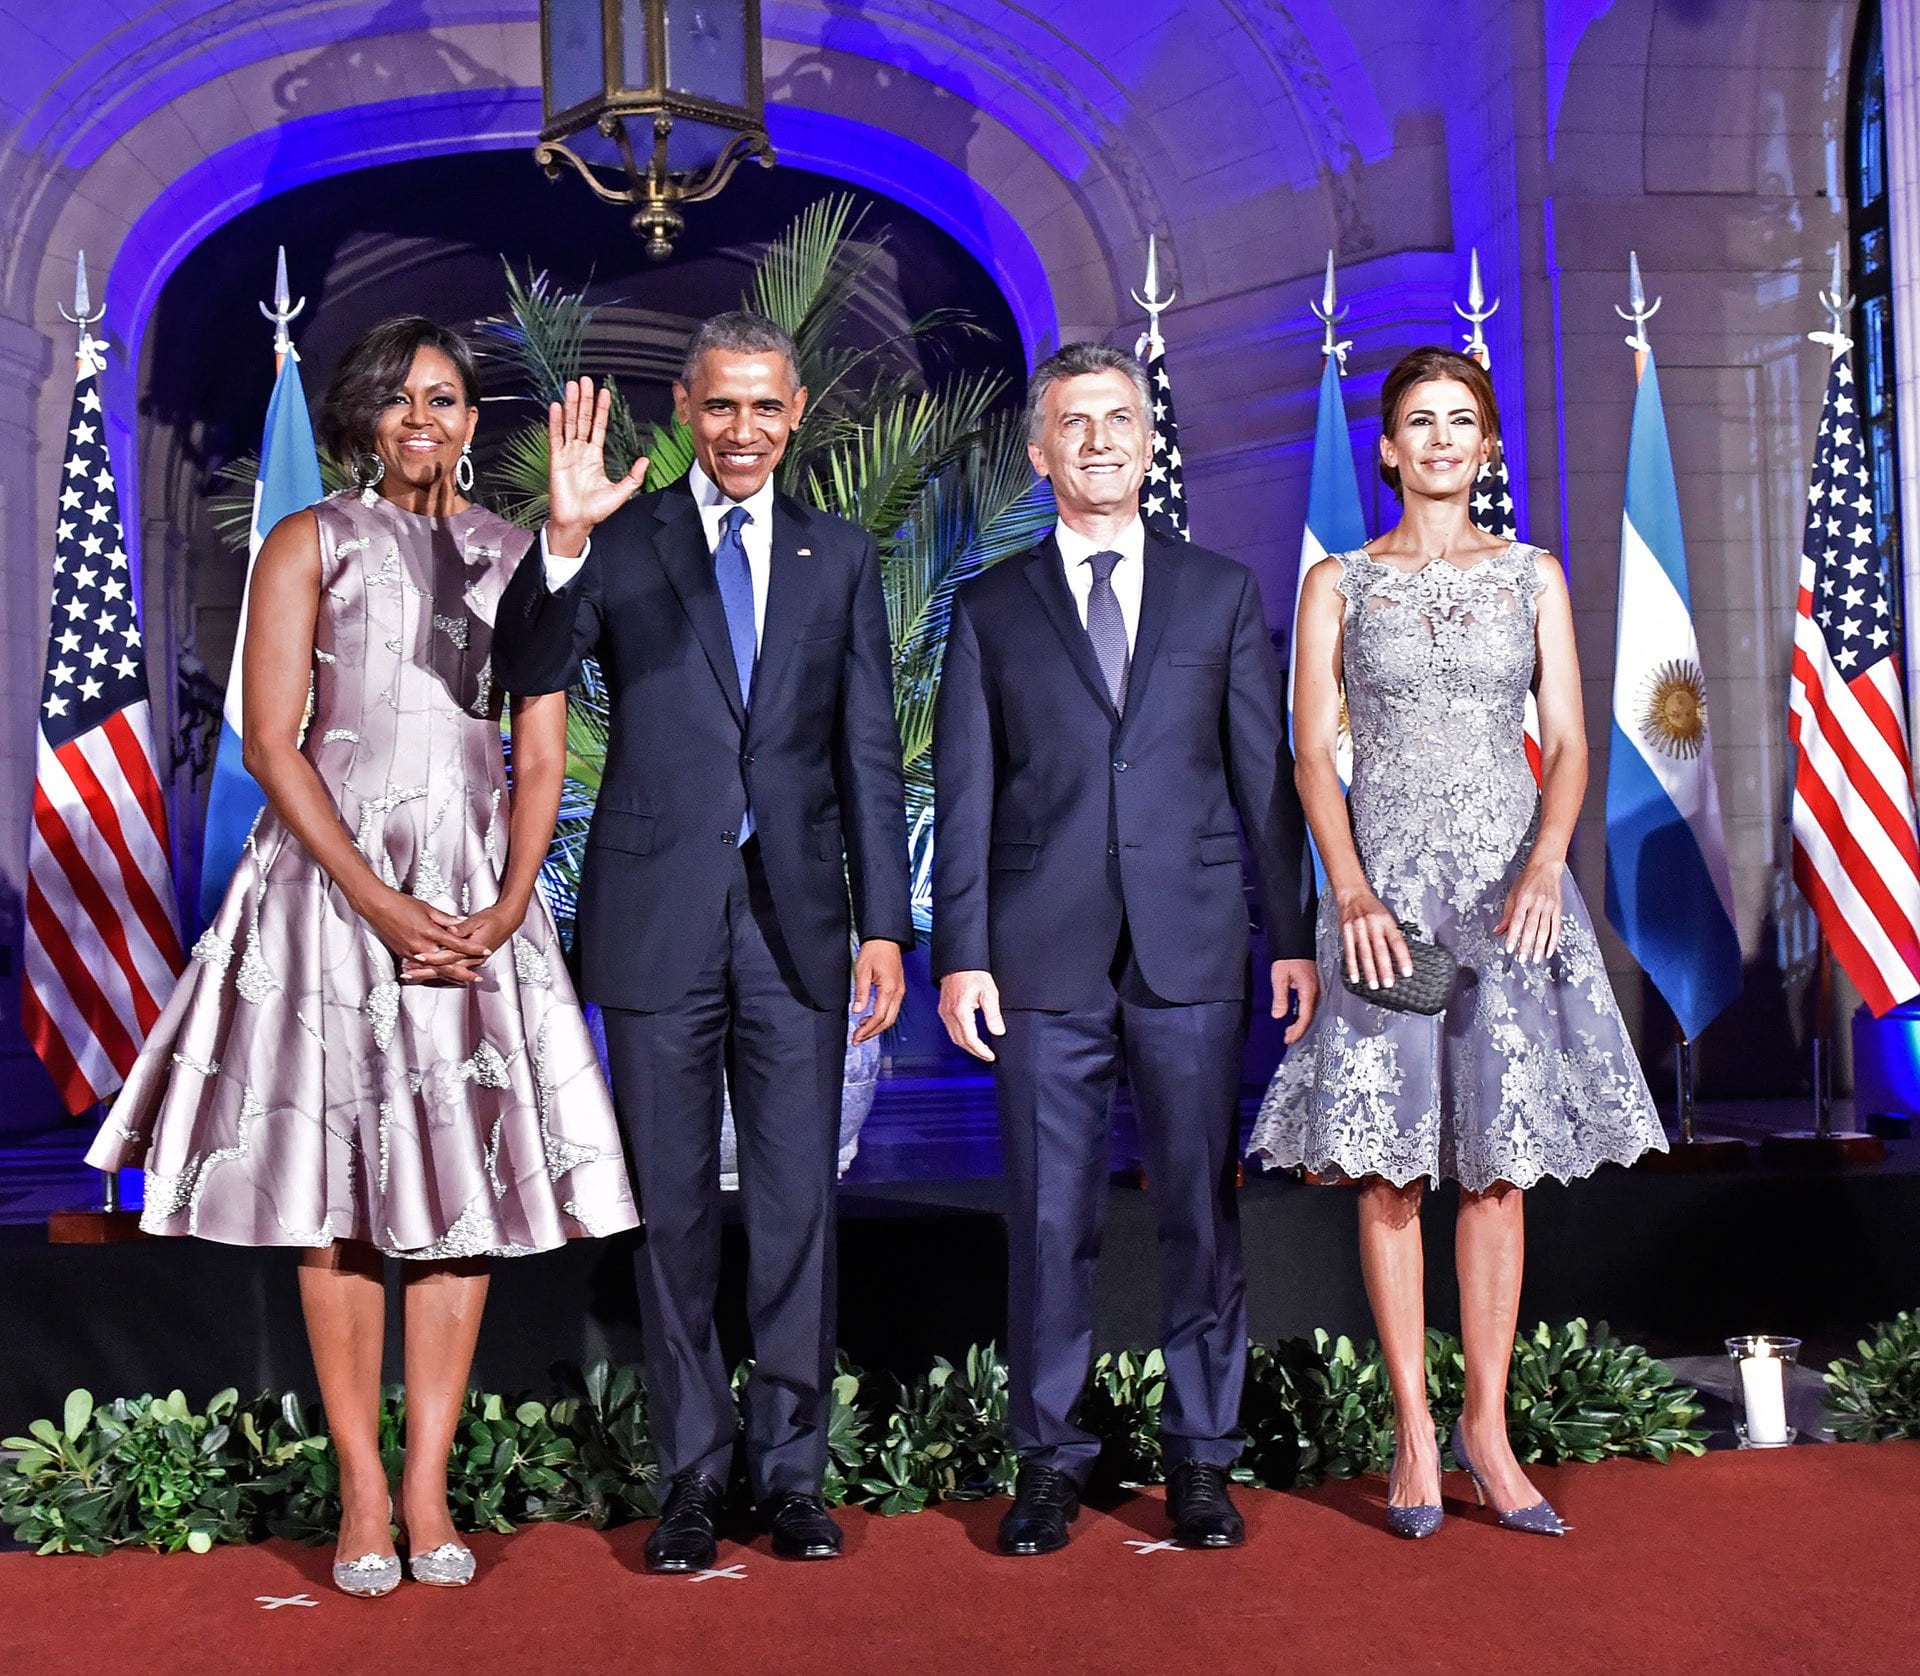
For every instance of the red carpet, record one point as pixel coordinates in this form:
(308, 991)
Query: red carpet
(1790, 1560)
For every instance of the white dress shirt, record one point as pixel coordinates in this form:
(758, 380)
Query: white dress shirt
(756, 536)
(1128, 574)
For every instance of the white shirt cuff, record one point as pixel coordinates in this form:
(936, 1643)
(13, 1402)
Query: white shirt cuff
(559, 572)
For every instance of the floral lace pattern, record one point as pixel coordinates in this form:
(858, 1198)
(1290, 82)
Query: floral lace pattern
(1528, 1072)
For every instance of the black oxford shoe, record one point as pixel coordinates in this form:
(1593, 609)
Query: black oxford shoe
(686, 1536)
(1202, 1512)
(1045, 1502)
(802, 1528)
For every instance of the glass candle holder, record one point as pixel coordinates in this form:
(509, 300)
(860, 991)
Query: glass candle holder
(1760, 1364)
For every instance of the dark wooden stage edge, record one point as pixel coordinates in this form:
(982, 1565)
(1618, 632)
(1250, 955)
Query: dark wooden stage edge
(1676, 1262)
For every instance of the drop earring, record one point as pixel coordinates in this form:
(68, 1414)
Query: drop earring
(370, 484)
(463, 472)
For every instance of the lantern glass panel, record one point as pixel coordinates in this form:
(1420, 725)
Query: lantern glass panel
(636, 65)
(694, 144)
(707, 49)
(575, 68)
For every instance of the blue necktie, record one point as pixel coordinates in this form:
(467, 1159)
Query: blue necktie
(735, 576)
(1107, 628)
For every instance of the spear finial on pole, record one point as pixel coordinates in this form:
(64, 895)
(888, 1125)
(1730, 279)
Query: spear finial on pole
(1639, 311)
(1330, 315)
(92, 352)
(283, 312)
(1838, 303)
(1151, 342)
(1477, 312)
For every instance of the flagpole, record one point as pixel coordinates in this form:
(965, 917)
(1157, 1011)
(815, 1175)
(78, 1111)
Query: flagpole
(1691, 1150)
(106, 1223)
(1823, 1144)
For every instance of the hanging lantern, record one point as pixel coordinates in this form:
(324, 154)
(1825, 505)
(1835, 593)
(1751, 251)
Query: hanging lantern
(654, 102)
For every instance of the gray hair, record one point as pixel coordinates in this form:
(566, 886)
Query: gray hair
(1076, 360)
(739, 332)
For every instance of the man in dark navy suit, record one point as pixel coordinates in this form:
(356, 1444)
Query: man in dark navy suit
(1109, 703)
(753, 772)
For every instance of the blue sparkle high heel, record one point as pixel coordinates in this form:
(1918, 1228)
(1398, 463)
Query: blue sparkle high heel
(1412, 1522)
(1538, 1520)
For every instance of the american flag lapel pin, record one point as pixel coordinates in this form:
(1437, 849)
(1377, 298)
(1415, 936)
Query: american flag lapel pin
(805, 553)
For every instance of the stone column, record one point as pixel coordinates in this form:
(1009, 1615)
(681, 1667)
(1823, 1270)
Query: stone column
(1900, 27)
(26, 356)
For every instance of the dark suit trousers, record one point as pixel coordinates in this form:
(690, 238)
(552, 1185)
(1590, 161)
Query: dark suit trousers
(1054, 1079)
(784, 1060)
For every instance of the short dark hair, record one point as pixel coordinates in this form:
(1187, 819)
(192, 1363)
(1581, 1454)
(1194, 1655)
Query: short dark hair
(739, 332)
(377, 365)
(1417, 366)
(1076, 360)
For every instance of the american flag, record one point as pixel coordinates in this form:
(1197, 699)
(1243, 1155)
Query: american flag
(1492, 510)
(1854, 852)
(103, 944)
(1163, 496)
(1492, 504)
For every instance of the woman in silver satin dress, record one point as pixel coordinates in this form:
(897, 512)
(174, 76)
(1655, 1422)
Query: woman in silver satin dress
(1435, 631)
(376, 1049)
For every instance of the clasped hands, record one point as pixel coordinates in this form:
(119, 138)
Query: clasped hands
(1375, 950)
(436, 947)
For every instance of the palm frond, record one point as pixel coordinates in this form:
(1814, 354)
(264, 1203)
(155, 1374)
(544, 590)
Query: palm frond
(669, 451)
(977, 512)
(541, 335)
(794, 282)
(874, 477)
(231, 509)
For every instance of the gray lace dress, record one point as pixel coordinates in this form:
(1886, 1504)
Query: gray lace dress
(293, 1092)
(1529, 1071)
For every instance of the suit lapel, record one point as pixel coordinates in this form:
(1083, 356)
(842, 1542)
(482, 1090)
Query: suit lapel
(1159, 581)
(790, 589)
(681, 543)
(1047, 577)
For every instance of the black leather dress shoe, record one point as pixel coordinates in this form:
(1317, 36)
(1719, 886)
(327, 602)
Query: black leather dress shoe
(802, 1527)
(685, 1538)
(1045, 1502)
(1202, 1512)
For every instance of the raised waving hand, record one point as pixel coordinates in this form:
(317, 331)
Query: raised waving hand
(579, 492)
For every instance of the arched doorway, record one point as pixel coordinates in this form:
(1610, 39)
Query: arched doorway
(435, 236)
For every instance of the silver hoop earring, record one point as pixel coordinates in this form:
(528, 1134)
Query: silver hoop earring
(370, 483)
(463, 472)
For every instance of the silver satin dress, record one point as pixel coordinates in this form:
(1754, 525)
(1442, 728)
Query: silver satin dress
(1529, 1072)
(293, 1092)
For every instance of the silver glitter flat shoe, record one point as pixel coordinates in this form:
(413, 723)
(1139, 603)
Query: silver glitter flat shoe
(1537, 1520)
(371, 1575)
(450, 1566)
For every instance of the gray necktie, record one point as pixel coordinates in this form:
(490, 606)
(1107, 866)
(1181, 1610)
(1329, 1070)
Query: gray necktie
(1107, 629)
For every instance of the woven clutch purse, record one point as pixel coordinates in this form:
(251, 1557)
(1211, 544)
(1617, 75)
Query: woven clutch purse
(1428, 990)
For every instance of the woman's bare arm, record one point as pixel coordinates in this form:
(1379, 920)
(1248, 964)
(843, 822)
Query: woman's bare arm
(1374, 948)
(1531, 921)
(283, 602)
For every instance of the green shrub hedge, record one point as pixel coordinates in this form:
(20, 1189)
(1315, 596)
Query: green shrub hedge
(152, 1472)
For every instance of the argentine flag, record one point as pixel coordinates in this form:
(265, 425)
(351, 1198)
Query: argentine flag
(289, 480)
(1334, 523)
(1669, 892)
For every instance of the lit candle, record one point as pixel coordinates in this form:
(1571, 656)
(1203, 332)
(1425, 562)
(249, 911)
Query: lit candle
(1764, 1387)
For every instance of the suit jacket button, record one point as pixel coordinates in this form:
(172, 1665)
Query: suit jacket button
(1113, 849)
(1120, 767)
(746, 762)
(726, 837)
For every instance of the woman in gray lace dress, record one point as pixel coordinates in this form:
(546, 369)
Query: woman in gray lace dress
(1435, 630)
(377, 1050)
